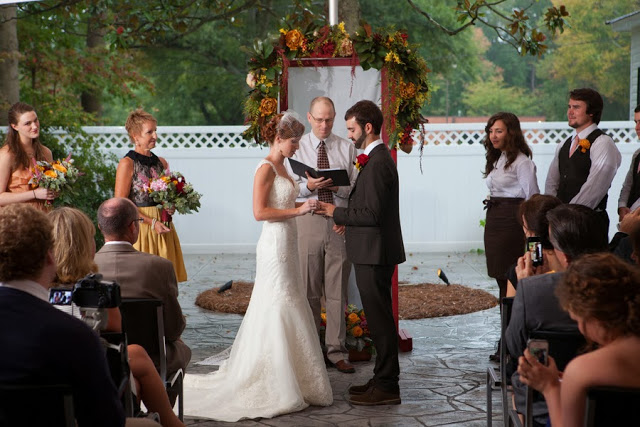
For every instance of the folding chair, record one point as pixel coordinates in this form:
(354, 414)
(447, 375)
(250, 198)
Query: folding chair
(118, 361)
(612, 406)
(143, 322)
(36, 405)
(499, 379)
(563, 346)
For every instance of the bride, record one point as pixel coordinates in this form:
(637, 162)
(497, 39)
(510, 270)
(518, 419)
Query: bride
(276, 364)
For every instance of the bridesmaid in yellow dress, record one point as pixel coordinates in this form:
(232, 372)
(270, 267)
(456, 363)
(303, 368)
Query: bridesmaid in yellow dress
(155, 237)
(20, 147)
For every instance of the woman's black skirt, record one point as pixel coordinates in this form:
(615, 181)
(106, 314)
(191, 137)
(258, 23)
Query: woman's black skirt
(503, 235)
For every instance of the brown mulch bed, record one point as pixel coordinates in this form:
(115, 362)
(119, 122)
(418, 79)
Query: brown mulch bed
(415, 301)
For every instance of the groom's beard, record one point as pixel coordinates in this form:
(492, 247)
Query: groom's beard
(358, 142)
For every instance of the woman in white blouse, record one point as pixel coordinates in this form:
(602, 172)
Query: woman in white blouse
(511, 177)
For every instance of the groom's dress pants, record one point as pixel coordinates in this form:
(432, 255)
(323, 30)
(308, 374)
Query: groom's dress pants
(374, 284)
(325, 272)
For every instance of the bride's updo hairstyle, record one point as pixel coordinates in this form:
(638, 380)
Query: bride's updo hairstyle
(285, 125)
(603, 287)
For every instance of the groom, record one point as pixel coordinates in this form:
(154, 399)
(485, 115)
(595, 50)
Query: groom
(374, 245)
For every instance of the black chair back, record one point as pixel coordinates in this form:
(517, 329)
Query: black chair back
(118, 361)
(500, 379)
(36, 405)
(612, 406)
(143, 322)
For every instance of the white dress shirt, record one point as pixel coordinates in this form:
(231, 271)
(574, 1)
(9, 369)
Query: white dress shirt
(626, 187)
(341, 154)
(605, 161)
(518, 180)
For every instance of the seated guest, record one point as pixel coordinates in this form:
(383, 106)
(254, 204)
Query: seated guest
(574, 230)
(73, 250)
(533, 214)
(621, 243)
(601, 293)
(141, 275)
(40, 344)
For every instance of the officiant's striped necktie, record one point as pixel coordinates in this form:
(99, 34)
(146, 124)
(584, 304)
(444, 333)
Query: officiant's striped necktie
(324, 195)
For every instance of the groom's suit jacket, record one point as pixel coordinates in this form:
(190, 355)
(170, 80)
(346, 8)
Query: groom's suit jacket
(373, 234)
(142, 275)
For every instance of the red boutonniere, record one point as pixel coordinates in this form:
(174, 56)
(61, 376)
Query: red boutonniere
(584, 145)
(361, 161)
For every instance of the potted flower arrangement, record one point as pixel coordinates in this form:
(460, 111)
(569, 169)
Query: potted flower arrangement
(358, 340)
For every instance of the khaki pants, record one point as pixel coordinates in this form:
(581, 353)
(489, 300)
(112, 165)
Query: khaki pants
(325, 272)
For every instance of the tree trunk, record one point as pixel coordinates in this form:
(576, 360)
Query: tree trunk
(9, 75)
(90, 99)
(349, 13)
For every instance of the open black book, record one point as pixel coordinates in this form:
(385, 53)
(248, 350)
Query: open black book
(340, 177)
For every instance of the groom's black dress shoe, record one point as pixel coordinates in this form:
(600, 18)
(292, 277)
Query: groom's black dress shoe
(356, 390)
(375, 396)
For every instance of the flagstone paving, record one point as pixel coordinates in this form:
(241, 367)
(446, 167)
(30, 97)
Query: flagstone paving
(442, 380)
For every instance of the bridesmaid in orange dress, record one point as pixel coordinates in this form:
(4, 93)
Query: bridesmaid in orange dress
(21, 145)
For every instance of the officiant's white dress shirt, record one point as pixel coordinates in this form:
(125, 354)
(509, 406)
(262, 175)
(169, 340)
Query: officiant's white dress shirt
(341, 154)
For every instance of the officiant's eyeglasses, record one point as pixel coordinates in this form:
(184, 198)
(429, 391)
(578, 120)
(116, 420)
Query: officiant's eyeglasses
(320, 121)
(140, 220)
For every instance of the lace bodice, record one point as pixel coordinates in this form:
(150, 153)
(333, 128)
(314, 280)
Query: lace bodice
(284, 190)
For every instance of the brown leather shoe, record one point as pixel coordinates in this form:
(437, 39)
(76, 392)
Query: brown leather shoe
(356, 390)
(344, 367)
(375, 396)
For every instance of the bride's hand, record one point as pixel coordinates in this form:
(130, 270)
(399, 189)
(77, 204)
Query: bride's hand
(308, 206)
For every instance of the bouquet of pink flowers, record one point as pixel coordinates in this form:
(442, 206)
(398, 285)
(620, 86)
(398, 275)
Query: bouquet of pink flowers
(172, 193)
(58, 176)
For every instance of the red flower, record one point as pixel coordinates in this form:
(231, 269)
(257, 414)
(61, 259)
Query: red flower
(361, 161)
(180, 187)
(120, 30)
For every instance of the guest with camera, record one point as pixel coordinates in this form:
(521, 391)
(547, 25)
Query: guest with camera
(574, 230)
(42, 345)
(73, 250)
(141, 275)
(540, 257)
(602, 294)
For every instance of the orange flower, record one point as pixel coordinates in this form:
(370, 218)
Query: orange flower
(59, 167)
(353, 318)
(407, 90)
(294, 39)
(357, 331)
(51, 173)
(346, 47)
(323, 316)
(268, 106)
(584, 145)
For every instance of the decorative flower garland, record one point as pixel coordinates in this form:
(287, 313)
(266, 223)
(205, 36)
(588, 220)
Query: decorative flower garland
(406, 73)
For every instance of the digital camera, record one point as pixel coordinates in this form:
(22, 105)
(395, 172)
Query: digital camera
(92, 292)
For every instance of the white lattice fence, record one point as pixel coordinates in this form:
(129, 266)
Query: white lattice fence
(183, 137)
(187, 137)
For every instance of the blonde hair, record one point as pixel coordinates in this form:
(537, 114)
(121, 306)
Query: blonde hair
(136, 119)
(73, 244)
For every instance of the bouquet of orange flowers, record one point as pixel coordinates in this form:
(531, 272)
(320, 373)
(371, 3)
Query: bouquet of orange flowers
(172, 192)
(58, 176)
(358, 335)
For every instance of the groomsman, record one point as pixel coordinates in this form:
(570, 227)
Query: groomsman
(323, 256)
(374, 245)
(629, 199)
(584, 166)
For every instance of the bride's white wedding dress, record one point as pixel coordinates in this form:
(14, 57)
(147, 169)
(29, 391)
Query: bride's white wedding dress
(276, 364)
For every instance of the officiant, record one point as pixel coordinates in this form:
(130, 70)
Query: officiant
(323, 257)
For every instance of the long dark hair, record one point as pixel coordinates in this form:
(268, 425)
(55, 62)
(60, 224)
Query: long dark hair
(514, 141)
(13, 137)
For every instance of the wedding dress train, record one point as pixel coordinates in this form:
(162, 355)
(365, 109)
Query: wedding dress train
(276, 364)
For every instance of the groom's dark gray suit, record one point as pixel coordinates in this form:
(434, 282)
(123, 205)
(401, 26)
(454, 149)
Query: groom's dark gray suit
(374, 245)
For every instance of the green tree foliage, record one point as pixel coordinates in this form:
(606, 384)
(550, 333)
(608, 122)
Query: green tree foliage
(591, 54)
(492, 95)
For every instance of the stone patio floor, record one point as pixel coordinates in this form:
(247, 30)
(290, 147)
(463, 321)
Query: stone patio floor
(442, 380)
